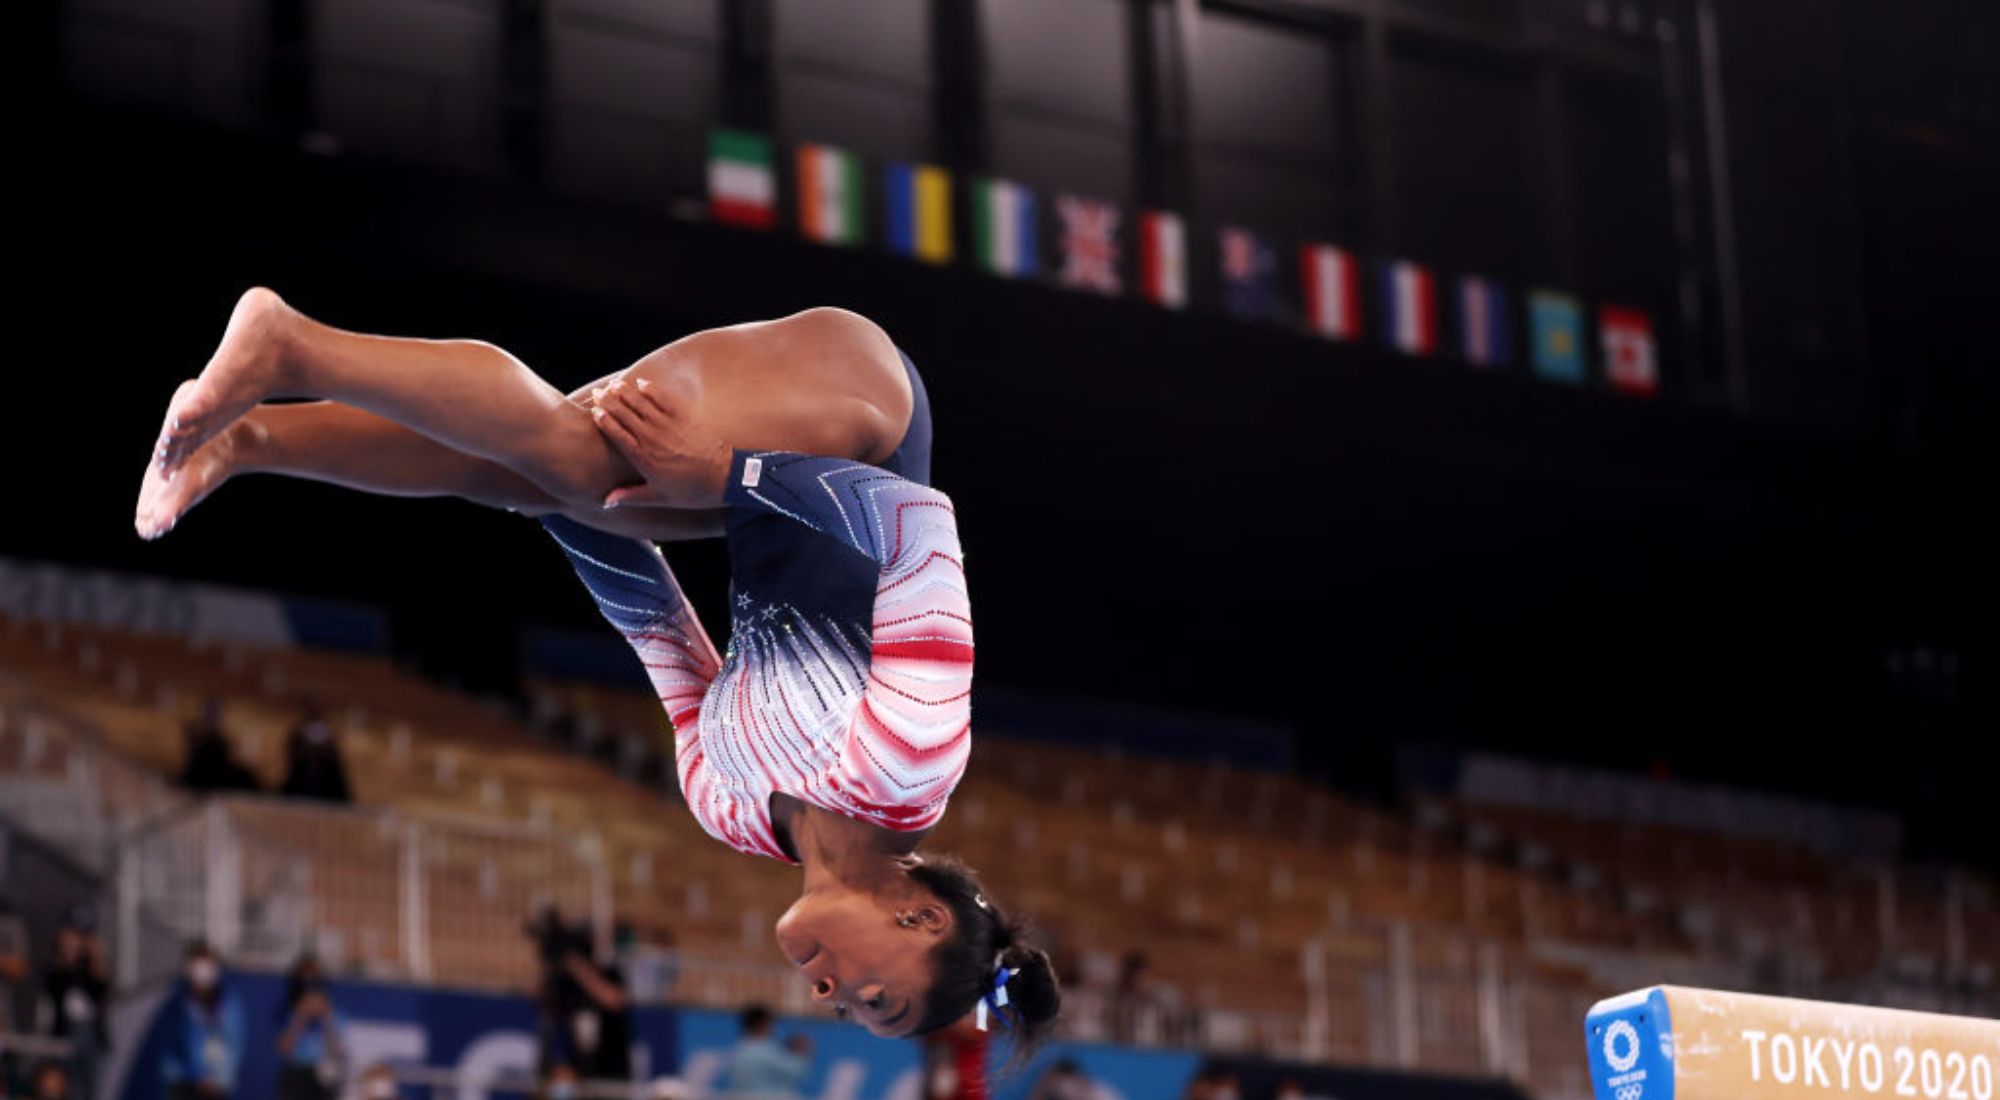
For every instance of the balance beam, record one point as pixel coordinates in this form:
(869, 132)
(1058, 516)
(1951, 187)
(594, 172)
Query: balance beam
(1673, 1043)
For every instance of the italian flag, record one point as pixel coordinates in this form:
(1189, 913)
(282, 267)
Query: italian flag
(1004, 228)
(1332, 291)
(1163, 258)
(829, 194)
(742, 189)
(1410, 300)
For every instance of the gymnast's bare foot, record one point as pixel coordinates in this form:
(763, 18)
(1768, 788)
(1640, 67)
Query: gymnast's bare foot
(164, 499)
(243, 371)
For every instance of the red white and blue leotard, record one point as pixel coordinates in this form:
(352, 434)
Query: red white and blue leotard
(847, 682)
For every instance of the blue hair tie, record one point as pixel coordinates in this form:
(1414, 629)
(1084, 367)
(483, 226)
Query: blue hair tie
(994, 999)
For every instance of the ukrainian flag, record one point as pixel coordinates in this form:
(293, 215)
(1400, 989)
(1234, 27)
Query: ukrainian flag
(919, 219)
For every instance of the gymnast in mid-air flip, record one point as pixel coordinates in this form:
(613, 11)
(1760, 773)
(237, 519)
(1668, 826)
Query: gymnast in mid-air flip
(831, 733)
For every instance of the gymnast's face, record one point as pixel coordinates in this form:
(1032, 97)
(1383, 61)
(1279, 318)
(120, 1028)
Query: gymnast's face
(867, 956)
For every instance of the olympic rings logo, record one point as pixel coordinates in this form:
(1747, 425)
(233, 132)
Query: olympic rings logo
(1630, 1092)
(1621, 1033)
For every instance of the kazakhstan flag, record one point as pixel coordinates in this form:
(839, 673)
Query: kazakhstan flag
(1557, 322)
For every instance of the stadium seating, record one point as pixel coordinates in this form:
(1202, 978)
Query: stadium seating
(1283, 916)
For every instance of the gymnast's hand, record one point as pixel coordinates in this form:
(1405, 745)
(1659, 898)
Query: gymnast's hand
(684, 465)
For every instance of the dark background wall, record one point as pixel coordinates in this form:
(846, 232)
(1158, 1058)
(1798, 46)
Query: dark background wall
(1176, 509)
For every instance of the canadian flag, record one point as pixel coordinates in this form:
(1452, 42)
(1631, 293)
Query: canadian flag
(1332, 291)
(1631, 360)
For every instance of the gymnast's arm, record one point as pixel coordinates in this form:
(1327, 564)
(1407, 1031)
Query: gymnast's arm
(636, 592)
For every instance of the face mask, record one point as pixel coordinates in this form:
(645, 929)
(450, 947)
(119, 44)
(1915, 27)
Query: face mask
(562, 1090)
(203, 973)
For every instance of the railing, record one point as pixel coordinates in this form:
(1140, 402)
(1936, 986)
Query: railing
(263, 879)
(55, 776)
(33, 1047)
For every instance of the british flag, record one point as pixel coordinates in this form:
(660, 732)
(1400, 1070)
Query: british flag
(1090, 245)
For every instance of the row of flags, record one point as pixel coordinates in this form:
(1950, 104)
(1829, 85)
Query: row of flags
(1090, 246)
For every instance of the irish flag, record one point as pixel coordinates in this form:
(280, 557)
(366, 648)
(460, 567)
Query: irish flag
(1631, 359)
(1004, 229)
(919, 211)
(1163, 258)
(829, 194)
(741, 187)
(1409, 313)
(1332, 290)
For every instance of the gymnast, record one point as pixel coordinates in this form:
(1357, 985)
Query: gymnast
(831, 733)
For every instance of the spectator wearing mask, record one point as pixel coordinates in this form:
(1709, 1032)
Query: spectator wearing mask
(955, 1062)
(1065, 1081)
(75, 995)
(760, 1066)
(211, 765)
(205, 1032)
(313, 764)
(311, 1056)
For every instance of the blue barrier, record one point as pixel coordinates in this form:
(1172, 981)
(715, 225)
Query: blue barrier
(484, 1037)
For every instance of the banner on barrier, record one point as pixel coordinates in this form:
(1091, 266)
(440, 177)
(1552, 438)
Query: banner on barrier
(484, 1039)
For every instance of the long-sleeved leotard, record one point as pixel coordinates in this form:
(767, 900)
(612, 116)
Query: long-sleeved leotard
(854, 702)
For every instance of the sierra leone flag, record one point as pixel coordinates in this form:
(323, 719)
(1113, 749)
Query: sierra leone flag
(829, 181)
(742, 189)
(1004, 228)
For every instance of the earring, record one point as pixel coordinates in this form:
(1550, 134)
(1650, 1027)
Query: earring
(907, 920)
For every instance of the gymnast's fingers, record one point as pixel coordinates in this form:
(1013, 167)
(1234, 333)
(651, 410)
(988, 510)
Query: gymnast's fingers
(650, 404)
(611, 420)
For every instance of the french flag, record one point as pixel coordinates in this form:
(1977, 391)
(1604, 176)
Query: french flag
(1409, 300)
(1484, 337)
(1332, 291)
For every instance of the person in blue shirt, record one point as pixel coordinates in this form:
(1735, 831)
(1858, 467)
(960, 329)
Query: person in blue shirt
(206, 1029)
(311, 1055)
(760, 1066)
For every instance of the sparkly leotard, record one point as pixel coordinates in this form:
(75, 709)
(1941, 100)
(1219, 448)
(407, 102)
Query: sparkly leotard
(847, 682)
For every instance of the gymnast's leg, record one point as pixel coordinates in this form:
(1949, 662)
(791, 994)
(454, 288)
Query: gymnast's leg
(329, 442)
(470, 396)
